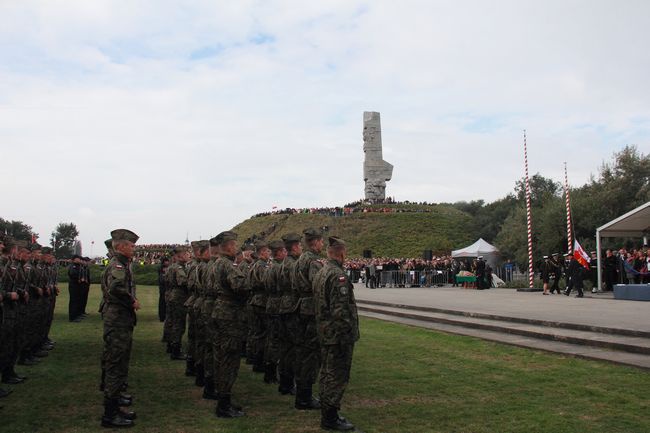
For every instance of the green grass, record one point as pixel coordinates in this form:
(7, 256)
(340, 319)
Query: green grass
(404, 379)
(389, 235)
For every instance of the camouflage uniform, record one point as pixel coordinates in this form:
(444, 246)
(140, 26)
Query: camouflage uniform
(208, 325)
(245, 268)
(288, 326)
(257, 313)
(13, 280)
(192, 289)
(229, 309)
(307, 346)
(338, 330)
(177, 312)
(273, 292)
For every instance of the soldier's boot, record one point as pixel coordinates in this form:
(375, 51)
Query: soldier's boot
(270, 372)
(102, 383)
(305, 400)
(190, 368)
(258, 366)
(200, 376)
(124, 400)
(286, 386)
(4, 392)
(331, 420)
(128, 414)
(113, 416)
(209, 392)
(176, 354)
(225, 409)
(27, 360)
(11, 379)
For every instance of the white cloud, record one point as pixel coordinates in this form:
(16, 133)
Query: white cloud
(168, 119)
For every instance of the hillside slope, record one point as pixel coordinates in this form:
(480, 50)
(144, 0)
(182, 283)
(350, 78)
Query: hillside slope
(404, 234)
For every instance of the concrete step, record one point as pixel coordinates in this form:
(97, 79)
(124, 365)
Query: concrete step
(569, 349)
(624, 343)
(551, 324)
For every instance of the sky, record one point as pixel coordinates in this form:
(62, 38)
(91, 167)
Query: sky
(178, 119)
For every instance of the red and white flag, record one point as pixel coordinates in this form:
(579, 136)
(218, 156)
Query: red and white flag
(580, 255)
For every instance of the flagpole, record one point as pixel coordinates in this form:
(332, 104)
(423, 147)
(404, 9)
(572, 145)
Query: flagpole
(569, 227)
(529, 225)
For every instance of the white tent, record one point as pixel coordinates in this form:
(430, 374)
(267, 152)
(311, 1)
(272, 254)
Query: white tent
(479, 248)
(635, 223)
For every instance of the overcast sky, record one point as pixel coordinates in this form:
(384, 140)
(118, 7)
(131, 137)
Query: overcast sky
(168, 119)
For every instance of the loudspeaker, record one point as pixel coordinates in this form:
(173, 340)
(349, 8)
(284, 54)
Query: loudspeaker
(427, 255)
(367, 254)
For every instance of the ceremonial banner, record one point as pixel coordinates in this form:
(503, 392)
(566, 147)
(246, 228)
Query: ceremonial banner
(580, 255)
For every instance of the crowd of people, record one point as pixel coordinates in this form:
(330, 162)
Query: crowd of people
(28, 292)
(290, 315)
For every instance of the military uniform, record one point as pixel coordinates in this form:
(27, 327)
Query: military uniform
(208, 327)
(338, 331)
(307, 346)
(257, 310)
(275, 280)
(177, 276)
(119, 320)
(229, 309)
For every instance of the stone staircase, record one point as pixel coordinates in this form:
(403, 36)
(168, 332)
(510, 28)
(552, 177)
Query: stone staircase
(618, 345)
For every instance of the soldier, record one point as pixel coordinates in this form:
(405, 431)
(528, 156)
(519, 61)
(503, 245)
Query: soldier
(198, 280)
(162, 304)
(75, 287)
(307, 346)
(53, 292)
(556, 273)
(177, 312)
(167, 326)
(274, 284)
(593, 272)
(14, 299)
(338, 330)
(208, 325)
(244, 262)
(119, 314)
(288, 315)
(576, 274)
(228, 313)
(257, 306)
(5, 299)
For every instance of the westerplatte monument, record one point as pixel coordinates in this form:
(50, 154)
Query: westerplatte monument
(376, 171)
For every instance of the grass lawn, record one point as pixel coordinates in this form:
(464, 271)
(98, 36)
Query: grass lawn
(403, 380)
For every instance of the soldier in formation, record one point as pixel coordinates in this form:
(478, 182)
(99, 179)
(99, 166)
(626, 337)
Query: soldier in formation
(28, 290)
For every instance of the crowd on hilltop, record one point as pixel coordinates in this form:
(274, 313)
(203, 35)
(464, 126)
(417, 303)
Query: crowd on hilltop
(360, 206)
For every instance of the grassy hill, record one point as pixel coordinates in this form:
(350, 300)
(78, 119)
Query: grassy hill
(402, 234)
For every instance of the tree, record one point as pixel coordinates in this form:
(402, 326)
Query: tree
(62, 240)
(16, 229)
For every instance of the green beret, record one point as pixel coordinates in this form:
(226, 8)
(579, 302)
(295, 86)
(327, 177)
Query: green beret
(47, 250)
(260, 245)
(247, 247)
(336, 242)
(276, 245)
(312, 233)
(179, 249)
(109, 244)
(291, 238)
(35, 247)
(201, 245)
(224, 237)
(124, 235)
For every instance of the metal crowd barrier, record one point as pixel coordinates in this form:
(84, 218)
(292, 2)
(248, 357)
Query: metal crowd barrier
(428, 278)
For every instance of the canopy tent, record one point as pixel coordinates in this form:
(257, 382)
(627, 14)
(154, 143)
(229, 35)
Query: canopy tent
(479, 248)
(634, 224)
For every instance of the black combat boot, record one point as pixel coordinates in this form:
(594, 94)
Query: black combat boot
(331, 420)
(124, 400)
(208, 390)
(225, 409)
(190, 368)
(305, 400)
(286, 386)
(200, 376)
(112, 416)
(176, 354)
(270, 372)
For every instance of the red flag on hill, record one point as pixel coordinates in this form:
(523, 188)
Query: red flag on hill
(580, 255)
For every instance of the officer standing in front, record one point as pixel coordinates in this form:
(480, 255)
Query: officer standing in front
(119, 315)
(338, 331)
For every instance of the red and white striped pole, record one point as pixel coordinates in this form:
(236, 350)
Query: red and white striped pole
(531, 272)
(569, 228)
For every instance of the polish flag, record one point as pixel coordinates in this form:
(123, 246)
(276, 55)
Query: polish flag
(580, 255)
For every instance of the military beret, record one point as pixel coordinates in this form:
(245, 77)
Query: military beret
(261, 244)
(276, 245)
(247, 247)
(35, 247)
(124, 235)
(47, 250)
(21, 243)
(290, 238)
(179, 249)
(109, 244)
(312, 233)
(336, 242)
(201, 245)
(223, 237)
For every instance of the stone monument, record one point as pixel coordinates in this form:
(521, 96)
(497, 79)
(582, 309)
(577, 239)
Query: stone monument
(376, 171)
